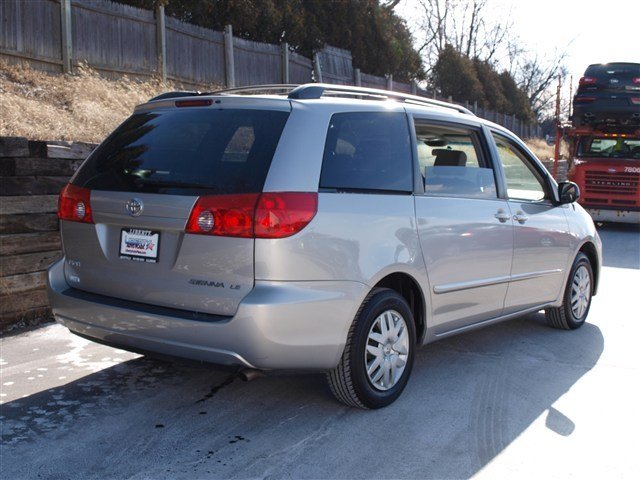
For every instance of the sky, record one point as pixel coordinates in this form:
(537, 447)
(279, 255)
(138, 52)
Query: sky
(590, 31)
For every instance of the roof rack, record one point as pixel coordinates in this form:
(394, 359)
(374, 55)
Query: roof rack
(317, 90)
(311, 91)
(285, 87)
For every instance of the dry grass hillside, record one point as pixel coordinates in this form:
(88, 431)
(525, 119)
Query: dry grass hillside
(86, 107)
(544, 151)
(80, 107)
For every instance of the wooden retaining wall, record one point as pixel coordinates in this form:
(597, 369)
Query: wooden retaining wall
(31, 176)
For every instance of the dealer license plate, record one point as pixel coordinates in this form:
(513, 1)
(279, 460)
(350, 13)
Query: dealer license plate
(139, 245)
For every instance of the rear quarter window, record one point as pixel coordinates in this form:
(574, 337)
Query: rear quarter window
(368, 151)
(186, 151)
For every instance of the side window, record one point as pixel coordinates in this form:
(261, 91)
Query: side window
(452, 164)
(523, 183)
(368, 151)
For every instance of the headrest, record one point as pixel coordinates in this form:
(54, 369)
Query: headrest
(449, 158)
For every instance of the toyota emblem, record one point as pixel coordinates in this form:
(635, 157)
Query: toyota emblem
(134, 207)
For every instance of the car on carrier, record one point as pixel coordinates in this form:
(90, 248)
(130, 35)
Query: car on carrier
(608, 94)
(319, 228)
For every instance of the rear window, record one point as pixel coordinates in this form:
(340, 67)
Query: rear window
(367, 152)
(186, 152)
(612, 76)
(613, 69)
(609, 147)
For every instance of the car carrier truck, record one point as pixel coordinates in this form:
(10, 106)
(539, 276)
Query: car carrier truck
(604, 141)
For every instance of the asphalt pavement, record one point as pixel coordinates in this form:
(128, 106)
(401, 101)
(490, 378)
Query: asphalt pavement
(515, 400)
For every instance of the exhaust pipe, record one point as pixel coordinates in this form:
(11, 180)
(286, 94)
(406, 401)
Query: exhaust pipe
(248, 374)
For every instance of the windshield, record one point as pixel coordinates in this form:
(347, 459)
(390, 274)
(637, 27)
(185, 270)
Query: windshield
(186, 152)
(609, 147)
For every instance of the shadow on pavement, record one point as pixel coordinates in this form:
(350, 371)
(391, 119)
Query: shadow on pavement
(469, 397)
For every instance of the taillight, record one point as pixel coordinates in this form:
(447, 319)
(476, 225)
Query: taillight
(74, 204)
(584, 99)
(223, 215)
(252, 215)
(588, 81)
(635, 100)
(283, 214)
(636, 80)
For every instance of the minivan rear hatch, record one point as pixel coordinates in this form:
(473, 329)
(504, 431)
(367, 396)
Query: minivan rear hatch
(142, 184)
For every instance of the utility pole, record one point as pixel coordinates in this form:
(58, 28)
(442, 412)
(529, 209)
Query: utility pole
(556, 152)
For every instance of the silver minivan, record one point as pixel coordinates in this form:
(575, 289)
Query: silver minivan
(317, 228)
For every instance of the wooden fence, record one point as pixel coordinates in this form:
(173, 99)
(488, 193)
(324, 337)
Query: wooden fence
(117, 39)
(31, 175)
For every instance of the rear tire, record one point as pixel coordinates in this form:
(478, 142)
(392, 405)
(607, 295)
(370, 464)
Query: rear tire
(378, 356)
(577, 297)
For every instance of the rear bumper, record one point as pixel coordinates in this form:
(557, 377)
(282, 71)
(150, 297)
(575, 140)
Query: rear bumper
(279, 325)
(613, 215)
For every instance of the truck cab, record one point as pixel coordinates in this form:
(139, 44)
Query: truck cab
(606, 167)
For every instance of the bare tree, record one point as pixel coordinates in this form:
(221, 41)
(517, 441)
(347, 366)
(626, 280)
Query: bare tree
(391, 4)
(465, 26)
(537, 77)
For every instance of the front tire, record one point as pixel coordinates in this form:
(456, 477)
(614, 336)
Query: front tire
(577, 297)
(378, 356)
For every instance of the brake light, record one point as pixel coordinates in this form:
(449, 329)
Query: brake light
(280, 215)
(636, 80)
(223, 215)
(194, 103)
(588, 81)
(74, 204)
(252, 215)
(635, 100)
(584, 99)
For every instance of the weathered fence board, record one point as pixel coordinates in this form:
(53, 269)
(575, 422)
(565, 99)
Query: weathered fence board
(31, 29)
(23, 305)
(31, 185)
(256, 63)
(300, 69)
(402, 87)
(194, 54)
(373, 81)
(28, 222)
(114, 37)
(27, 262)
(38, 166)
(14, 147)
(29, 203)
(29, 235)
(29, 243)
(68, 150)
(23, 282)
(336, 65)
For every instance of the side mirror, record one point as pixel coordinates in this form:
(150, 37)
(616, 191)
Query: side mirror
(568, 192)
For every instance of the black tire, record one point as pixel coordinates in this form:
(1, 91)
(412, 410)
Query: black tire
(349, 381)
(564, 317)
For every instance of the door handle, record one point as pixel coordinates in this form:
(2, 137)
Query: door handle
(502, 215)
(520, 217)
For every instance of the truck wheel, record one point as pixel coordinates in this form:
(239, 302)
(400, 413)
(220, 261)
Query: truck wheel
(577, 297)
(378, 356)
